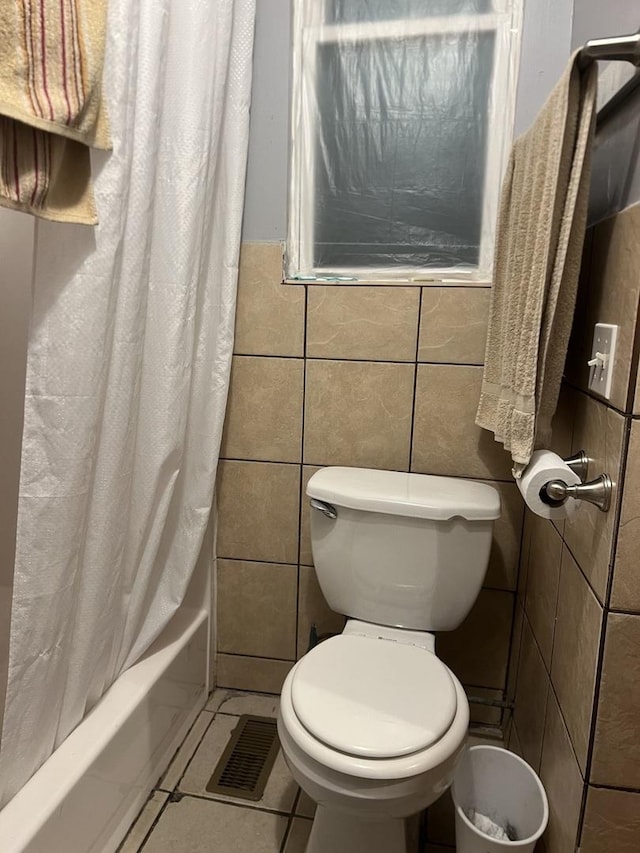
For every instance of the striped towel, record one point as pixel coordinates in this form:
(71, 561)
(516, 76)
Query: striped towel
(51, 106)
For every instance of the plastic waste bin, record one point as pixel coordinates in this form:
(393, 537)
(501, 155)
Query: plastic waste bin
(499, 801)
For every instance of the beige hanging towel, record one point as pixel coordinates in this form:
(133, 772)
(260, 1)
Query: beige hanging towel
(539, 240)
(51, 107)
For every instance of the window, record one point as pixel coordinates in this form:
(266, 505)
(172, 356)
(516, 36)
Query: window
(401, 126)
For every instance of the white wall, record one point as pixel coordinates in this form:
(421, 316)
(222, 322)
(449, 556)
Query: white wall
(546, 46)
(265, 209)
(616, 169)
(601, 18)
(16, 258)
(545, 50)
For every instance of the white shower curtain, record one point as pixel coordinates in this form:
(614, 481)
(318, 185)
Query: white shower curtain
(129, 356)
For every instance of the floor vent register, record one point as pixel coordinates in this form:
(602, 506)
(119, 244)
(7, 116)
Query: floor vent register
(245, 765)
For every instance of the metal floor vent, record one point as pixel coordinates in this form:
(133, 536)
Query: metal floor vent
(244, 767)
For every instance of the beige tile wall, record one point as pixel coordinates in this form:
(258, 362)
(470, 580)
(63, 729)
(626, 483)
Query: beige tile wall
(347, 375)
(389, 377)
(575, 655)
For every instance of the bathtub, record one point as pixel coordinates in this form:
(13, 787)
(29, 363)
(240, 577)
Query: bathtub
(85, 796)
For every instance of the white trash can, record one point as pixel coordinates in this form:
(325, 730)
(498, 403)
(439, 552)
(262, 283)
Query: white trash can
(491, 782)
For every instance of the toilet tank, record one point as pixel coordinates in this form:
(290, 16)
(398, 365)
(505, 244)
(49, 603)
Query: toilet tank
(408, 550)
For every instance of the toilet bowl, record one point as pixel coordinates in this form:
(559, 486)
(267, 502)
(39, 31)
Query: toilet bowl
(371, 722)
(371, 725)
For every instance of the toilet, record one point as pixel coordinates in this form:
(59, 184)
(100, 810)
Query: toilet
(371, 722)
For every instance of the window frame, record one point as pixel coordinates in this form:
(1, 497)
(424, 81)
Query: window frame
(309, 31)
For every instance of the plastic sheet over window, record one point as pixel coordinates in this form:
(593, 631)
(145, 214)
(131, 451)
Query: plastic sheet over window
(402, 119)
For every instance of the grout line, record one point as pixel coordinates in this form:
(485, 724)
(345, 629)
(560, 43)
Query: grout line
(259, 461)
(569, 738)
(233, 804)
(361, 360)
(533, 633)
(510, 712)
(301, 476)
(159, 787)
(612, 788)
(526, 617)
(597, 399)
(507, 713)
(154, 823)
(239, 693)
(635, 358)
(415, 383)
(309, 463)
(255, 657)
(289, 828)
(296, 802)
(551, 688)
(618, 611)
(247, 560)
(188, 764)
(297, 605)
(267, 355)
(555, 612)
(545, 713)
(226, 714)
(617, 510)
(584, 576)
(466, 685)
(498, 589)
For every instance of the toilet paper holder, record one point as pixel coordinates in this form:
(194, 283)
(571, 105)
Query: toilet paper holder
(579, 464)
(597, 492)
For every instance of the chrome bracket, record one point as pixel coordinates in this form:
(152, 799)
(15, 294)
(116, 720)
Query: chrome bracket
(579, 464)
(597, 492)
(323, 507)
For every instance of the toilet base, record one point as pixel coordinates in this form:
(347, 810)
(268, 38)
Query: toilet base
(337, 832)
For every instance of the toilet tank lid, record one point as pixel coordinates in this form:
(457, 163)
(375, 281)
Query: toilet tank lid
(409, 495)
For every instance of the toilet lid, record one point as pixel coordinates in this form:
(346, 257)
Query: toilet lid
(373, 698)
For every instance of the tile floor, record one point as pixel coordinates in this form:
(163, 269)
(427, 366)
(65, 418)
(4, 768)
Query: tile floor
(181, 816)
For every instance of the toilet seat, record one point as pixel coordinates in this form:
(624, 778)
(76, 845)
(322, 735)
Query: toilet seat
(374, 699)
(379, 769)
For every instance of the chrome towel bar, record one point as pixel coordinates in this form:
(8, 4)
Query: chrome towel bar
(614, 49)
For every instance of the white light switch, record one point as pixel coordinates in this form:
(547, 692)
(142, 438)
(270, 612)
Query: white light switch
(602, 357)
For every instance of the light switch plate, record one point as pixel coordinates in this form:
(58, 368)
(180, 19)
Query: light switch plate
(603, 353)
